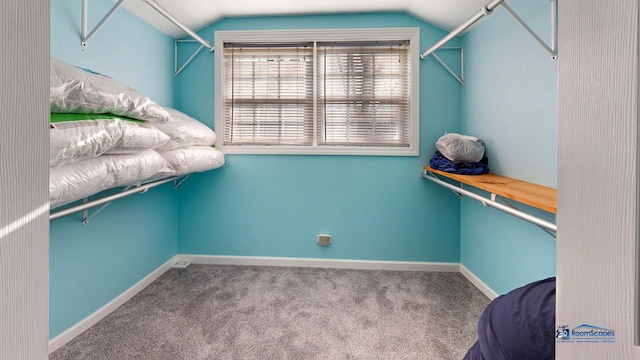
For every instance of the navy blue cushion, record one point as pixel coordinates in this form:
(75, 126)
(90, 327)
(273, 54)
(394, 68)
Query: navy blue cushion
(518, 325)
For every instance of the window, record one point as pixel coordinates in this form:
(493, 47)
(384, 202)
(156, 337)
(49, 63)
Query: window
(268, 94)
(318, 92)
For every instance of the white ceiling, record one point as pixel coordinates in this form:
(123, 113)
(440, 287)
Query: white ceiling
(198, 14)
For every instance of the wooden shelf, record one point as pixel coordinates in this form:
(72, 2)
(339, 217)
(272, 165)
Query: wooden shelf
(538, 196)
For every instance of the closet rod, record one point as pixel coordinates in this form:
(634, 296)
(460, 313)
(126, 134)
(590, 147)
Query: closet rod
(485, 11)
(177, 23)
(106, 199)
(491, 203)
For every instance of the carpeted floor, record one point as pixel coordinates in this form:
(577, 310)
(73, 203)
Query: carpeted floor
(245, 312)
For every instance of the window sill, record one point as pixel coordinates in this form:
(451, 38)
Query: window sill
(324, 150)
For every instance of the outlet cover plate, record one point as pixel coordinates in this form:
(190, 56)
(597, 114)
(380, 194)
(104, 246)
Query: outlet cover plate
(323, 239)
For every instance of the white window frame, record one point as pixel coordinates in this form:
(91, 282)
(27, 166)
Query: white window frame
(269, 36)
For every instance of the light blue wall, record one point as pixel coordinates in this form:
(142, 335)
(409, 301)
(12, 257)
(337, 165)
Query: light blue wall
(509, 100)
(92, 264)
(376, 208)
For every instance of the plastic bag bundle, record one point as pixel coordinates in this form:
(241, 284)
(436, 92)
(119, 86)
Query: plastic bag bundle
(136, 137)
(74, 137)
(184, 131)
(75, 90)
(76, 181)
(193, 159)
(76, 140)
(465, 148)
(103, 134)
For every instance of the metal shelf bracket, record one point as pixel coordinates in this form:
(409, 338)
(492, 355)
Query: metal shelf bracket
(494, 197)
(460, 77)
(488, 10)
(458, 194)
(84, 41)
(85, 36)
(177, 183)
(176, 70)
(85, 213)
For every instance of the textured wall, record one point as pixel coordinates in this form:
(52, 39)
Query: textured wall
(24, 108)
(598, 175)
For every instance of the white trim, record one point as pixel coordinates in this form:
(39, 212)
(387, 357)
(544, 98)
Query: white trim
(320, 263)
(89, 321)
(478, 283)
(320, 150)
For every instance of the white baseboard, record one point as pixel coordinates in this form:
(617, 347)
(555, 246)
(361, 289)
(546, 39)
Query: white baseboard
(478, 283)
(86, 323)
(320, 263)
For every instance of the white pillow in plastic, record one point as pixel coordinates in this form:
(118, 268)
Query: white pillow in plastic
(76, 181)
(193, 159)
(75, 90)
(72, 141)
(185, 131)
(456, 147)
(74, 137)
(138, 136)
(88, 177)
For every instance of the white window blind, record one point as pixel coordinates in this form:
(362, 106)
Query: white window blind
(296, 92)
(268, 96)
(364, 93)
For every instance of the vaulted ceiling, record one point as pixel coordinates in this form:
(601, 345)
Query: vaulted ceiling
(197, 14)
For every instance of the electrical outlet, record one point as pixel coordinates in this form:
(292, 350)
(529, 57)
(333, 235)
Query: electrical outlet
(323, 239)
(181, 264)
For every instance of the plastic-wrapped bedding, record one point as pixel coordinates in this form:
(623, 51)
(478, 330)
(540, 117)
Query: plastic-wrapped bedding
(74, 137)
(456, 147)
(193, 159)
(184, 131)
(76, 90)
(72, 182)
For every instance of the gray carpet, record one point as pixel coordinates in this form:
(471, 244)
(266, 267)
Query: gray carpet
(246, 312)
